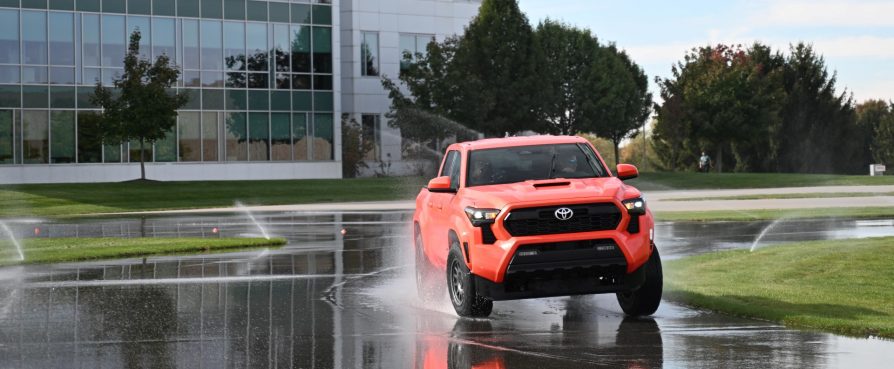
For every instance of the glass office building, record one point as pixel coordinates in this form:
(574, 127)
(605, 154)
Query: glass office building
(261, 76)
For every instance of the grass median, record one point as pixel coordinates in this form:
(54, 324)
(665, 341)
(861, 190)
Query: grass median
(56, 250)
(841, 286)
(59, 200)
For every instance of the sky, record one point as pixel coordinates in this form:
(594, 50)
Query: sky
(856, 38)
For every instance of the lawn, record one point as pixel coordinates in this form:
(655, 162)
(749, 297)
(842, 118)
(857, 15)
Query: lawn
(771, 214)
(841, 286)
(56, 200)
(652, 181)
(55, 250)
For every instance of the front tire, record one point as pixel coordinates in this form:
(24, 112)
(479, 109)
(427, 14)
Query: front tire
(461, 287)
(645, 299)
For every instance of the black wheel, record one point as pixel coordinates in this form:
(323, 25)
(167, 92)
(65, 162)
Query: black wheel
(461, 288)
(425, 277)
(645, 299)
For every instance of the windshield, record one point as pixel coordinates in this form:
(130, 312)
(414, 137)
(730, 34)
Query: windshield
(521, 163)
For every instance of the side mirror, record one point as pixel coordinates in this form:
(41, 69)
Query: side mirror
(627, 171)
(440, 184)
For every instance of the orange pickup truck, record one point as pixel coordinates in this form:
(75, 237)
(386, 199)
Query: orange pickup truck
(538, 216)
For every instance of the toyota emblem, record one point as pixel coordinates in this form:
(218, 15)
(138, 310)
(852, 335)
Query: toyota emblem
(564, 213)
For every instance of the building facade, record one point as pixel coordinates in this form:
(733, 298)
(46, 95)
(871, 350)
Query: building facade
(268, 83)
(375, 35)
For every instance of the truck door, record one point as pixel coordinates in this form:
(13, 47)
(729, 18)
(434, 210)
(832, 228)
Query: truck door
(438, 220)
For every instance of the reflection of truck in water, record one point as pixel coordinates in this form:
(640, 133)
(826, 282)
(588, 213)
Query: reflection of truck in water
(620, 343)
(528, 217)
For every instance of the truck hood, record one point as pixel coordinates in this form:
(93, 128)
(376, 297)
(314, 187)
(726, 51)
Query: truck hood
(553, 190)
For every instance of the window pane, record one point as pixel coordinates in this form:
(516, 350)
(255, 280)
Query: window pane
(135, 152)
(323, 82)
(142, 24)
(188, 8)
(258, 80)
(189, 139)
(6, 148)
(212, 9)
(113, 6)
(236, 100)
(236, 80)
(212, 48)
(212, 99)
(163, 7)
(299, 135)
(281, 47)
(322, 143)
(259, 131)
(323, 101)
(300, 49)
(9, 74)
(90, 35)
(301, 101)
(279, 12)
(163, 38)
(35, 96)
(62, 75)
(369, 132)
(62, 97)
(407, 46)
(35, 136)
(257, 10)
(234, 9)
(62, 4)
(112, 153)
(234, 45)
(280, 100)
(190, 44)
(34, 75)
(9, 36)
(139, 7)
(237, 140)
(113, 41)
(166, 148)
(300, 13)
(369, 55)
(281, 136)
(10, 96)
(322, 14)
(63, 140)
(89, 144)
(257, 46)
(34, 37)
(88, 5)
(323, 50)
(209, 136)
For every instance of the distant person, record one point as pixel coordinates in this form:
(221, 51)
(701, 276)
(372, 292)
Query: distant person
(704, 163)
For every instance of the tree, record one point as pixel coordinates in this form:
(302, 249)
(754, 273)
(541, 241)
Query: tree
(570, 55)
(622, 101)
(142, 107)
(496, 68)
(876, 117)
(819, 123)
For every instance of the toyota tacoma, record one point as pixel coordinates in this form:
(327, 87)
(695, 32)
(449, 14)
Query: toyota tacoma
(530, 217)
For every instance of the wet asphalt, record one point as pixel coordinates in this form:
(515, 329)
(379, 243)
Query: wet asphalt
(333, 300)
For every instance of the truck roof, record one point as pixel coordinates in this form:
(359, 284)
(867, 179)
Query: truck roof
(493, 143)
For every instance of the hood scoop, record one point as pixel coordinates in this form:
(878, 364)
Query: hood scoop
(551, 184)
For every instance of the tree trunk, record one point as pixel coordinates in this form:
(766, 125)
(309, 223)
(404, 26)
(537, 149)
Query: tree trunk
(617, 157)
(142, 161)
(720, 159)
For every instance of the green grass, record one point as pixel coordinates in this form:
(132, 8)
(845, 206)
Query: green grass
(815, 195)
(56, 200)
(651, 181)
(55, 250)
(771, 214)
(842, 286)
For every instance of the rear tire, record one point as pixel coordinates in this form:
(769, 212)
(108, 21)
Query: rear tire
(461, 287)
(426, 284)
(645, 299)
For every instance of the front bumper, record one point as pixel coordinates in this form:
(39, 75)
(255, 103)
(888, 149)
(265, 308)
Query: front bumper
(562, 269)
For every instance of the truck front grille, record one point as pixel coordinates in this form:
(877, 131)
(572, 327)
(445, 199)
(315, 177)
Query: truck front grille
(543, 220)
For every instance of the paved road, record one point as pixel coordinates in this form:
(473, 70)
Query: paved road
(347, 300)
(658, 201)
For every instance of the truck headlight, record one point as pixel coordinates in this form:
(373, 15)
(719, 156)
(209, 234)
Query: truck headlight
(635, 206)
(480, 217)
